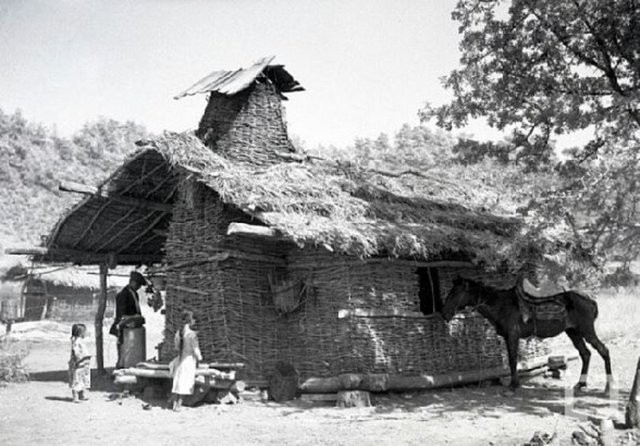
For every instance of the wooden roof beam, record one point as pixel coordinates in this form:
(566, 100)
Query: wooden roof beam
(86, 257)
(246, 229)
(71, 186)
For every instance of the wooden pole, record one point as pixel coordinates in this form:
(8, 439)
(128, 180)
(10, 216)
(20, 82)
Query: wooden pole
(71, 186)
(102, 304)
(632, 414)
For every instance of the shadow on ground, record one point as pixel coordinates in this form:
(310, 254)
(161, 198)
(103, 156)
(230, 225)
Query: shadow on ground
(539, 399)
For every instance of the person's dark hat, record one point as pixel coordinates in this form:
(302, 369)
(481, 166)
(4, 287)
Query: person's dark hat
(135, 275)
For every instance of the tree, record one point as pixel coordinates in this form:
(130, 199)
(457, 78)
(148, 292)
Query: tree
(33, 161)
(539, 68)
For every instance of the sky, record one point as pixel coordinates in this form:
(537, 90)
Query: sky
(367, 66)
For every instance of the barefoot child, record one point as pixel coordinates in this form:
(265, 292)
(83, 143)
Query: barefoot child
(183, 367)
(79, 372)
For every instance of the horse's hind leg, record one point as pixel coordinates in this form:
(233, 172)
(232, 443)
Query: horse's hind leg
(591, 337)
(585, 355)
(512, 351)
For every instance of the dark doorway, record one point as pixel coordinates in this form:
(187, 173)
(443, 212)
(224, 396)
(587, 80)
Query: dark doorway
(430, 301)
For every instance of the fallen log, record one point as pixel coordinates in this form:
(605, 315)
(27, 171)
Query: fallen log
(322, 385)
(390, 382)
(125, 379)
(350, 381)
(378, 382)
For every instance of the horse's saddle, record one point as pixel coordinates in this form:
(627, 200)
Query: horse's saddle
(539, 305)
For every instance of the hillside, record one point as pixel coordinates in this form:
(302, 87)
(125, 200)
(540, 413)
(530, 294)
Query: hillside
(34, 160)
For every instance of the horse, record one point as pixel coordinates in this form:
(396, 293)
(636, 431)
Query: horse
(502, 310)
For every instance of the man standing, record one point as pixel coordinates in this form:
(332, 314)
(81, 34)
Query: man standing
(127, 308)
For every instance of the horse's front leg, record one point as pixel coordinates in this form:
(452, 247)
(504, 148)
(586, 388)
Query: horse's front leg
(512, 350)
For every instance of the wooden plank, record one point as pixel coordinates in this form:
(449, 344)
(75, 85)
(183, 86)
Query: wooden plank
(254, 230)
(375, 313)
(71, 186)
(213, 365)
(149, 373)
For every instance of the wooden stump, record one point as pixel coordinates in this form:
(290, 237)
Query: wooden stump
(353, 398)
(283, 384)
(632, 414)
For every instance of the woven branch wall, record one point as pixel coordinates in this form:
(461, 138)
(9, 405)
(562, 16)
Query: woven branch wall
(248, 126)
(238, 321)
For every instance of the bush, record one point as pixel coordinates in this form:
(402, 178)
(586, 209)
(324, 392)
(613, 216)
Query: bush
(621, 277)
(11, 355)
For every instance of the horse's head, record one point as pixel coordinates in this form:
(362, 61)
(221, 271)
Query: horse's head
(460, 296)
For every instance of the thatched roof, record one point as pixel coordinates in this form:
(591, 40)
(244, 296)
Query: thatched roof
(313, 203)
(64, 275)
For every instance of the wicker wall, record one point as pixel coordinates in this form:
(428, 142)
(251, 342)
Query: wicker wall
(248, 126)
(238, 321)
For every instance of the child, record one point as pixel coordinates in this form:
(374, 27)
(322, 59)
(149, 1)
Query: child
(79, 372)
(183, 367)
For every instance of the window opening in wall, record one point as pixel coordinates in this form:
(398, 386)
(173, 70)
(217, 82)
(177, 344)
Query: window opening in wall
(430, 301)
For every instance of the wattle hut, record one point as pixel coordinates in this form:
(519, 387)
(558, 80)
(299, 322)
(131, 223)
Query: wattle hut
(328, 267)
(55, 293)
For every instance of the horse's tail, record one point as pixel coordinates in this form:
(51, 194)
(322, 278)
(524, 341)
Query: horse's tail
(583, 297)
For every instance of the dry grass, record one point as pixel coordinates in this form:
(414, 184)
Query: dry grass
(11, 355)
(619, 314)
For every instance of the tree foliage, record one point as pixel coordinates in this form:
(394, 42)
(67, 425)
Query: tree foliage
(542, 68)
(34, 160)
(417, 147)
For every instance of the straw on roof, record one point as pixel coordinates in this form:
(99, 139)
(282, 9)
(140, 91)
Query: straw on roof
(343, 208)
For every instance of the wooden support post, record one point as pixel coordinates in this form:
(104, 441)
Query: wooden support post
(102, 304)
(353, 398)
(632, 415)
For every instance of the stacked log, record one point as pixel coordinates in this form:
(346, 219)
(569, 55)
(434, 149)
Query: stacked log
(211, 383)
(383, 382)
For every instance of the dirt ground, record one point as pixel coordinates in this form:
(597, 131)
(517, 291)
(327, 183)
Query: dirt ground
(41, 412)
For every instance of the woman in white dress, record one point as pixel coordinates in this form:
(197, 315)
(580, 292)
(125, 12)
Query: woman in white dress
(183, 367)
